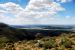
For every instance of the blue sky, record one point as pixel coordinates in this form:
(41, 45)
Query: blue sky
(23, 3)
(62, 15)
(70, 8)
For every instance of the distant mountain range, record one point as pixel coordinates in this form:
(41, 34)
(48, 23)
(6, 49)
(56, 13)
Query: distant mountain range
(45, 26)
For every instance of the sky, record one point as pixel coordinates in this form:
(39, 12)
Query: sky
(45, 12)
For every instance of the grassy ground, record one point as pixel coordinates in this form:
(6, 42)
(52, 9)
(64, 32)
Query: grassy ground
(62, 42)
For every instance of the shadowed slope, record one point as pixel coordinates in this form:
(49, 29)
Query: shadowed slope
(10, 33)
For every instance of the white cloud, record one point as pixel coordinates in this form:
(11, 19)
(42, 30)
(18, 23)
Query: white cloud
(36, 12)
(64, 1)
(40, 4)
(2, 12)
(40, 9)
(11, 8)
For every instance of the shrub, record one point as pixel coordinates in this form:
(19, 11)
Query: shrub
(66, 42)
(39, 35)
(3, 41)
(70, 49)
(45, 48)
(56, 48)
(48, 44)
(2, 45)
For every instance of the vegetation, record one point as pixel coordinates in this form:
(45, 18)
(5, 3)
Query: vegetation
(52, 43)
(15, 39)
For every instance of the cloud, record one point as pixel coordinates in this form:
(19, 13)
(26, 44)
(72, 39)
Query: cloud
(11, 8)
(7, 9)
(40, 9)
(64, 1)
(36, 12)
(43, 4)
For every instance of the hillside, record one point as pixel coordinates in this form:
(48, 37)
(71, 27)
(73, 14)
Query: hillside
(30, 39)
(10, 33)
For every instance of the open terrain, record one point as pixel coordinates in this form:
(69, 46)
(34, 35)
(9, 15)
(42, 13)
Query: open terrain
(35, 39)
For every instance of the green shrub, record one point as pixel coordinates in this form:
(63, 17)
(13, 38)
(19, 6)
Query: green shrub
(3, 41)
(56, 48)
(2, 45)
(48, 44)
(45, 48)
(70, 49)
(66, 42)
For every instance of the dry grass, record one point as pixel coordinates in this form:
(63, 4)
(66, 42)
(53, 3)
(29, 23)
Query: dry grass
(62, 42)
